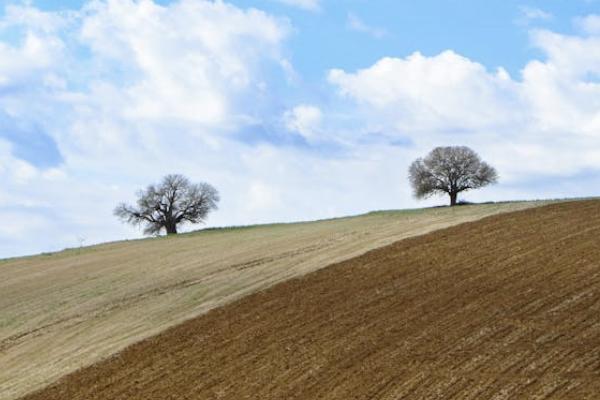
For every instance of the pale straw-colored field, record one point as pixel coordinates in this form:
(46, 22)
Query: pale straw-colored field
(63, 311)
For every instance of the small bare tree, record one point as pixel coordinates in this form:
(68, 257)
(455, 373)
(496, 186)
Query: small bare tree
(172, 202)
(450, 170)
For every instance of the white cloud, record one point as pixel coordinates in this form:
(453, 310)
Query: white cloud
(262, 197)
(530, 15)
(545, 124)
(187, 61)
(310, 5)
(562, 93)
(160, 92)
(179, 88)
(29, 61)
(589, 24)
(35, 58)
(36, 20)
(305, 120)
(13, 169)
(357, 24)
(425, 93)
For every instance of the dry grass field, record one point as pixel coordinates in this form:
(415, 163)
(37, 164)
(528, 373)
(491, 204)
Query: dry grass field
(67, 310)
(503, 308)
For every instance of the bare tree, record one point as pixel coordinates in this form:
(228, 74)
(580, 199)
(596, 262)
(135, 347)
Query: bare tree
(450, 170)
(172, 202)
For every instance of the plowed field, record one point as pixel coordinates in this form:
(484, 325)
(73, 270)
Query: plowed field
(507, 307)
(60, 312)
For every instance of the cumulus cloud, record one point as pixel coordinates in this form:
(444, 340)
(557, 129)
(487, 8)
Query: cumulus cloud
(144, 90)
(131, 90)
(32, 60)
(563, 92)
(12, 168)
(151, 97)
(589, 24)
(546, 123)
(305, 120)
(187, 61)
(446, 91)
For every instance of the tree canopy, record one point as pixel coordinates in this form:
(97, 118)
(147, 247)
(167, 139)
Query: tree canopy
(172, 202)
(450, 170)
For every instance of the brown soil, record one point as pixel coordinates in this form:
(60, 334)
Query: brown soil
(65, 311)
(504, 308)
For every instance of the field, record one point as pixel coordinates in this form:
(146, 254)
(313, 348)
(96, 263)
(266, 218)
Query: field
(503, 308)
(67, 310)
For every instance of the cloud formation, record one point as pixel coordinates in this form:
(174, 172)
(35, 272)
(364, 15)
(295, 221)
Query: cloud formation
(158, 89)
(589, 24)
(128, 91)
(305, 120)
(546, 123)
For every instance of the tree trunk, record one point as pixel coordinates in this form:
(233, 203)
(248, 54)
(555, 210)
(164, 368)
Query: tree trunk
(171, 229)
(453, 197)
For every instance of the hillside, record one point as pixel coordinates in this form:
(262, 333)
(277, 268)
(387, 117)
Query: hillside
(502, 308)
(63, 311)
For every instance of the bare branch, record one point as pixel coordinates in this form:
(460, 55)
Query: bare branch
(172, 202)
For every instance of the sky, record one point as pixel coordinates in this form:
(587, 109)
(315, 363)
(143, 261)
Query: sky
(293, 109)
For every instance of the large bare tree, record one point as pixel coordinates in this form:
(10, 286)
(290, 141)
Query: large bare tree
(174, 201)
(450, 170)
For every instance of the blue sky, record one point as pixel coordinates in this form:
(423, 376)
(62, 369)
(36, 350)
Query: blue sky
(487, 31)
(494, 32)
(294, 109)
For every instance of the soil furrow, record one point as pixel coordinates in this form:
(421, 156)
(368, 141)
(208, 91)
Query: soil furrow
(502, 308)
